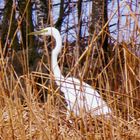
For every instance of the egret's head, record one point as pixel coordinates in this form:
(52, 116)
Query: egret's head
(49, 31)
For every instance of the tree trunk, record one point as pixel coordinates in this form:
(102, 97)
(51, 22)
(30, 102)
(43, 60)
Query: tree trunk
(9, 26)
(99, 18)
(22, 5)
(80, 18)
(42, 13)
(79, 34)
(59, 22)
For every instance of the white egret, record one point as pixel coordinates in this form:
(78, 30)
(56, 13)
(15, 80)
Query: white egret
(79, 96)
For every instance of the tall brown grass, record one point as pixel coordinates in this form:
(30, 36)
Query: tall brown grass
(24, 116)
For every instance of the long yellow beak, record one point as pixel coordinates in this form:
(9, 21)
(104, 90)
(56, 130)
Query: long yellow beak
(38, 32)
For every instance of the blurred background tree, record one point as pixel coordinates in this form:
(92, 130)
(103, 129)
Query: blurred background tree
(38, 15)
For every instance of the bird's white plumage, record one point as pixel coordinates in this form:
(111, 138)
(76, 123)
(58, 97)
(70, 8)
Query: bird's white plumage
(80, 96)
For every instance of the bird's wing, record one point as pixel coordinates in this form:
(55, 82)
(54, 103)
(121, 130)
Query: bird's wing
(81, 95)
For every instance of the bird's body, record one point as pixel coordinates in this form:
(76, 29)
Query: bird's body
(80, 97)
